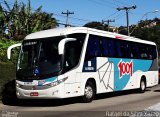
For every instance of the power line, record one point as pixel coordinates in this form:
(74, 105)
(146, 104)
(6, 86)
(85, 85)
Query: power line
(80, 19)
(113, 3)
(7, 2)
(108, 22)
(67, 16)
(75, 18)
(118, 16)
(106, 1)
(12, 4)
(112, 14)
(60, 23)
(69, 25)
(100, 3)
(56, 14)
(73, 23)
(127, 17)
(120, 2)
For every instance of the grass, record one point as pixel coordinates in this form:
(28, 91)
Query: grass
(7, 74)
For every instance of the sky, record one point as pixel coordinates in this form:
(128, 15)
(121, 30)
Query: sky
(97, 10)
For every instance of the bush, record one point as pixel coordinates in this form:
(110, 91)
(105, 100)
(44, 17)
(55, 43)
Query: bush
(7, 74)
(9, 93)
(4, 44)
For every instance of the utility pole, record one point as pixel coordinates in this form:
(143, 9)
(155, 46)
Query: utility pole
(67, 16)
(127, 17)
(108, 22)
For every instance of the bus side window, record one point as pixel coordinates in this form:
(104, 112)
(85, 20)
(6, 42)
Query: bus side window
(152, 54)
(133, 50)
(93, 47)
(128, 51)
(149, 50)
(72, 54)
(108, 48)
(143, 52)
(121, 49)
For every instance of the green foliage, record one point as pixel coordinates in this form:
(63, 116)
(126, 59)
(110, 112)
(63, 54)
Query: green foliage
(148, 30)
(19, 20)
(122, 30)
(145, 29)
(98, 25)
(7, 74)
(4, 44)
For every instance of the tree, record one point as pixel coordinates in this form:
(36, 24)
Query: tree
(20, 20)
(2, 22)
(96, 25)
(148, 30)
(122, 30)
(100, 26)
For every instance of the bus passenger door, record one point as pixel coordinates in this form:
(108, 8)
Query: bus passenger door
(72, 56)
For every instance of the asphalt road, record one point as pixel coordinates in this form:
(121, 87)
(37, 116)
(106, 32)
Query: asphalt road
(103, 105)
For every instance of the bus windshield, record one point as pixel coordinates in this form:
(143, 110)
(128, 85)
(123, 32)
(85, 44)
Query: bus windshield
(39, 58)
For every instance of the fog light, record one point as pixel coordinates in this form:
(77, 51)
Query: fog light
(18, 94)
(17, 84)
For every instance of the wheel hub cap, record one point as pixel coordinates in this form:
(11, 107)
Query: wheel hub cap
(88, 92)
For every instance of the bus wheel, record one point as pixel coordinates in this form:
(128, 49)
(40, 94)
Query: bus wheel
(142, 86)
(89, 92)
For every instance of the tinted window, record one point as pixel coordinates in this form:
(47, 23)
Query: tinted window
(93, 47)
(40, 58)
(72, 54)
(108, 47)
(133, 51)
(121, 49)
(143, 52)
(73, 50)
(147, 51)
(152, 54)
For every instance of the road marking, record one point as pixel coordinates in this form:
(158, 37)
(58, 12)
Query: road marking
(155, 107)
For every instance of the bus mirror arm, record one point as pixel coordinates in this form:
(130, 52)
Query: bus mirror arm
(10, 48)
(62, 43)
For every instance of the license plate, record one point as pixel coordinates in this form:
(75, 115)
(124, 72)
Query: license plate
(28, 83)
(34, 94)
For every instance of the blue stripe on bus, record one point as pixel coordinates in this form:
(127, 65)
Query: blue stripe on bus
(49, 80)
(120, 83)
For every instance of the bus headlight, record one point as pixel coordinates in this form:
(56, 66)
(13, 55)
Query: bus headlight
(18, 85)
(57, 82)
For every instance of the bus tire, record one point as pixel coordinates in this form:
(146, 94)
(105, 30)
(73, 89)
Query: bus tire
(89, 92)
(142, 86)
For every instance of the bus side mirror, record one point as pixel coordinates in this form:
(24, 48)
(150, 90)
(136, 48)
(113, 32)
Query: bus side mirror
(62, 43)
(10, 48)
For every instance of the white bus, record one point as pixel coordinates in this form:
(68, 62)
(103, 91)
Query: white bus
(79, 61)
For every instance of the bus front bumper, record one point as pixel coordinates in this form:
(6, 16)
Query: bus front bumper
(50, 93)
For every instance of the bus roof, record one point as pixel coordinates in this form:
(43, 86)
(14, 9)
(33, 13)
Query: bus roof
(70, 30)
